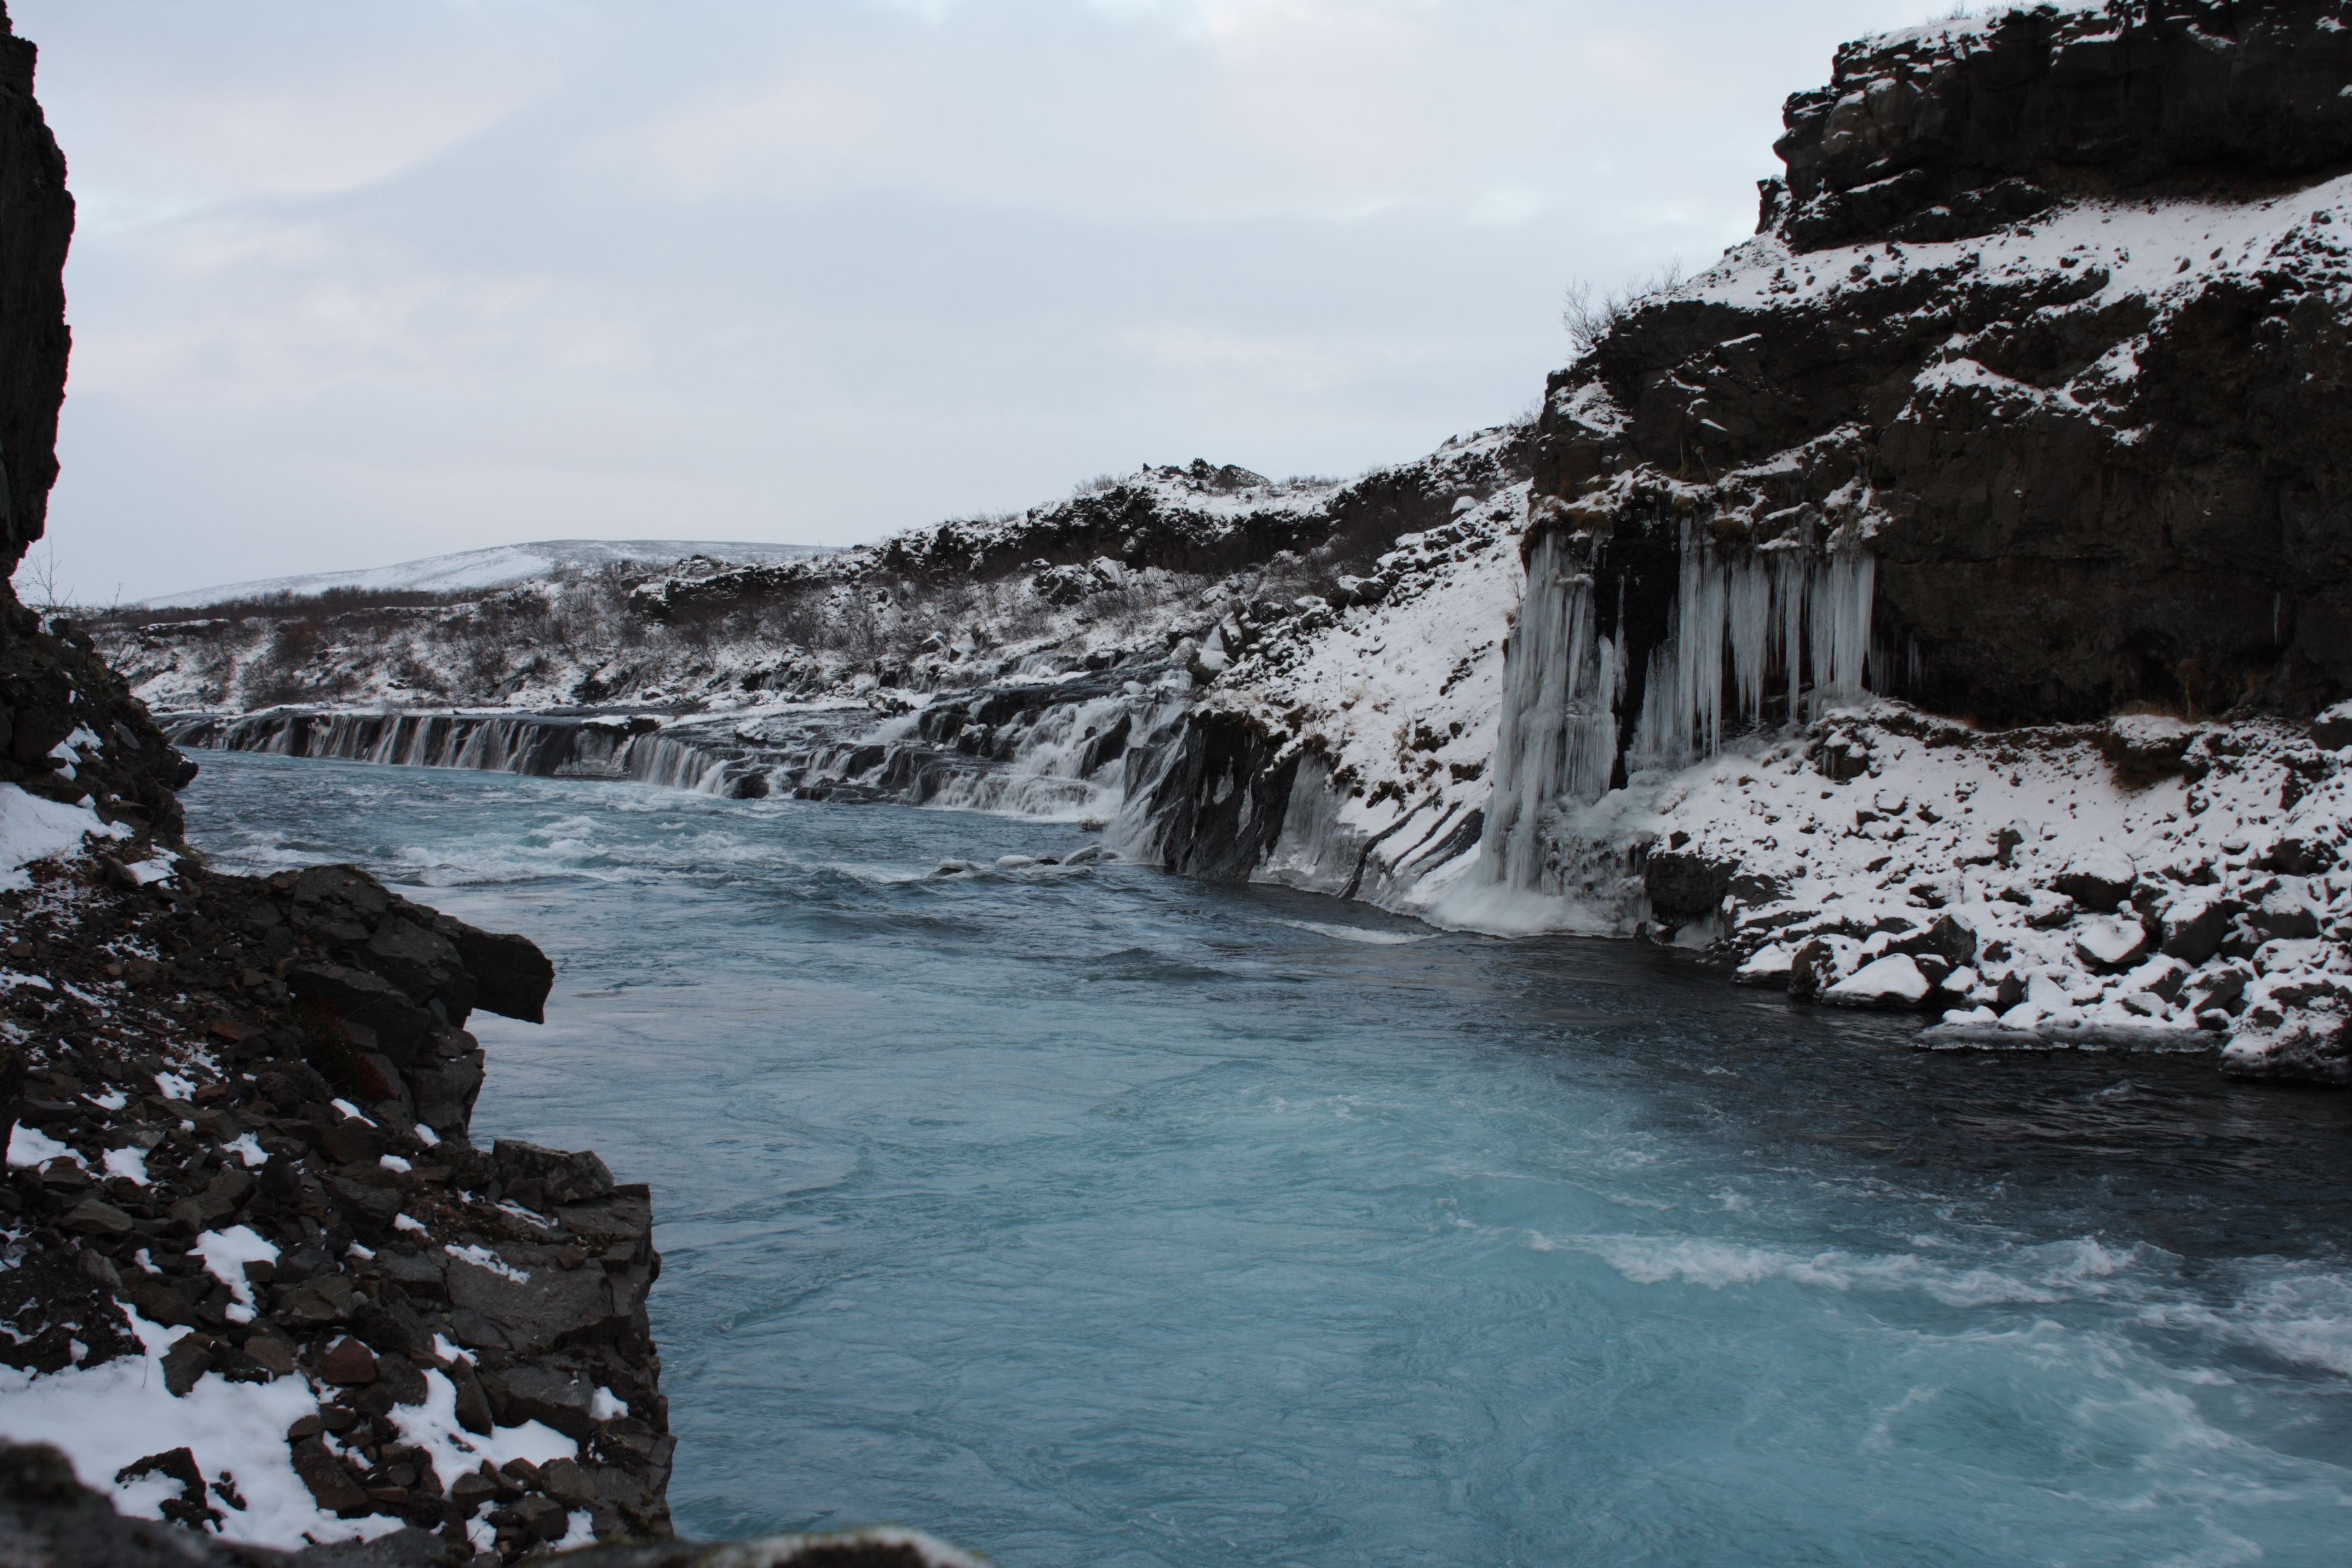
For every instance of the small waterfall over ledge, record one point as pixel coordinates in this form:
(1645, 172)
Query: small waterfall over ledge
(1739, 636)
(1055, 747)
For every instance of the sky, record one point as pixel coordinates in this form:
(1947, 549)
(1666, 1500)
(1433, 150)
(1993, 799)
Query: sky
(361, 282)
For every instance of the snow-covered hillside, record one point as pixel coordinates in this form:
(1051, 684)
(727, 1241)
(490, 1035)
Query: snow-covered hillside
(499, 567)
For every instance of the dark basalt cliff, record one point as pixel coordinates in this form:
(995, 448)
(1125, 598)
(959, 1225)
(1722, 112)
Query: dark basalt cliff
(37, 220)
(190, 1054)
(1916, 141)
(2087, 475)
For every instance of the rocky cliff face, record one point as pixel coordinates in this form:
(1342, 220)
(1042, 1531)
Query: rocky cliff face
(2049, 325)
(36, 219)
(243, 1229)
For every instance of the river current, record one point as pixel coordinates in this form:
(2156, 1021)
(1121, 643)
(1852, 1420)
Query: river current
(1086, 1216)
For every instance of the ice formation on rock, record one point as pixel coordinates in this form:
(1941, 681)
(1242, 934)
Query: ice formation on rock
(1744, 623)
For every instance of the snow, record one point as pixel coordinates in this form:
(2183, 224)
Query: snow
(111, 1416)
(2166, 253)
(30, 1148)
(225, 1253)
(483, 1257)
(2110, 942)
(32, 829)
(129, 1163)
(1894, 978)
(500, 566)
(433, 1427)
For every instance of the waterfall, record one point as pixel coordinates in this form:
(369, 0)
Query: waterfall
(1738, 617)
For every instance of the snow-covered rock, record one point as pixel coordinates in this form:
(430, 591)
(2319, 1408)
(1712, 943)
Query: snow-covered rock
(1894, 981)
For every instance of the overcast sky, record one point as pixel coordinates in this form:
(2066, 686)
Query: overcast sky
(367, 280)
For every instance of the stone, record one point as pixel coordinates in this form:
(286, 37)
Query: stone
(348, 1363)
(567, 1483)
(354, 996)
(538, 1519)
(272, 1355)
(331, 1484)
(2194, 922)
(511, 975)
(422, 963)
(93, 1217)
(533, 1313)
(2099, 877)
(559, 1176)
(2310, 1043)
(2284, 914)
(473, 1406)
(190, 1508)
(2111, 946)
(1894, 981)
(2332, 729)
(190, 1357)
(559, 1397)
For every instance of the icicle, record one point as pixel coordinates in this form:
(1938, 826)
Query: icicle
(1750, 617)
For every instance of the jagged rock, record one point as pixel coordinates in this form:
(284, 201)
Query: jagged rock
(332, 1486)
(551, 1176)
(2310, 1044)
(527, 1302)
(1914, 140)
(511, 975)
(2194, 923)
(347, 1363)
(2170, 537)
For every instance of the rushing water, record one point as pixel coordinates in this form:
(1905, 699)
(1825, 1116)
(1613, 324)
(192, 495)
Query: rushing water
(1090, 1217)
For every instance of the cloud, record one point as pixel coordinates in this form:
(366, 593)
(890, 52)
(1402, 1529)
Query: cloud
(356, 283)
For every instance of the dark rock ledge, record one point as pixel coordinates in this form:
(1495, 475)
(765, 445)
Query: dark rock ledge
(288, 1056)
(47, 1517)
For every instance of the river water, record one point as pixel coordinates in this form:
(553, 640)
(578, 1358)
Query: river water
(1090, 1217)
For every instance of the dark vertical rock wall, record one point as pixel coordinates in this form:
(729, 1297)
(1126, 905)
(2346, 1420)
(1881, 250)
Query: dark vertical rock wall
(1917, 140)
(2078, 496)
(37, 220)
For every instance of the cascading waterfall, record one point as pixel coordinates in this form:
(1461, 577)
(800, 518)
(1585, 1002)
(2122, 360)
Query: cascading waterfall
(1737, 617)
(1047, 749)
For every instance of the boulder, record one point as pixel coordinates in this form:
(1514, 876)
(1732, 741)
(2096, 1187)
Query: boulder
(528, 1301)
(2194, 922)
(553, 1175)
(511, 975)
(1894, 981)
(2332, 731)
(2310, 1043)
(354, 996)
(558, 1397)
(2099, 877)
(2112, 946)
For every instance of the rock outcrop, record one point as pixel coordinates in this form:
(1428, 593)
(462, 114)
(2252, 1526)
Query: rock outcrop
(37, 220)
(2049, 327)
(47, 1516)
(238, 1134)
(240, 1187)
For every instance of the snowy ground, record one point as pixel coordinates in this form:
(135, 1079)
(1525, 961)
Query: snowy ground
(2146, 881)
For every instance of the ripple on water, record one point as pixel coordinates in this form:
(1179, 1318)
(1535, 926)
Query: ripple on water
(1111, 1219)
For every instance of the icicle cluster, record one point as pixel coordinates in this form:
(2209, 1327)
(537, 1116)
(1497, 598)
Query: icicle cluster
(1740, 619)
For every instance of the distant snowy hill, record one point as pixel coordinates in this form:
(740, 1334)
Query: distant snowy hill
(496, 567)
